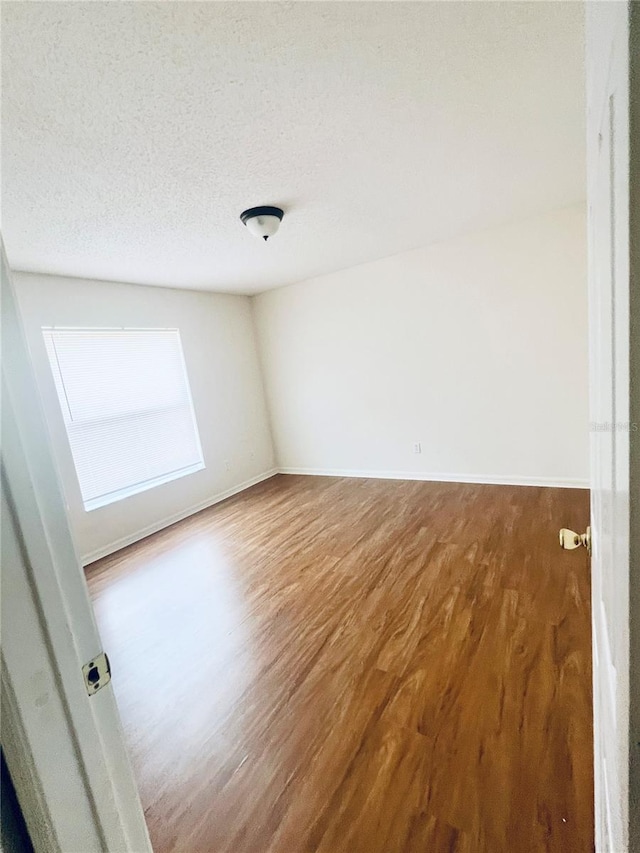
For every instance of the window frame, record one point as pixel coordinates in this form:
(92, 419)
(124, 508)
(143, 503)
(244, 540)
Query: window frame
(116, 495)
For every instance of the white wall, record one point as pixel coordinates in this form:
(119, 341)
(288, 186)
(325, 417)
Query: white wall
(220, 353)
(476, 347)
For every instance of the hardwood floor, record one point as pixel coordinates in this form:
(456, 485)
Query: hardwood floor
(358, 666)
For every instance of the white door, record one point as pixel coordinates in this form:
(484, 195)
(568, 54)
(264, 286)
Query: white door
(64, 748)
(615, 419)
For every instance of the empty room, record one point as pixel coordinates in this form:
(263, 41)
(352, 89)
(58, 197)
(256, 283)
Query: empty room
(320, 467)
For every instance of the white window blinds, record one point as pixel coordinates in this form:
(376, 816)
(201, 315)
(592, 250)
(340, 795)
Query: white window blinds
(126, 404)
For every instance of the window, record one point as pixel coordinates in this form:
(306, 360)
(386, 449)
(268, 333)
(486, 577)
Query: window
(126, 404)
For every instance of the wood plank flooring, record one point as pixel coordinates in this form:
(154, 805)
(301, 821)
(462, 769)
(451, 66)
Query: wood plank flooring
(358, 666)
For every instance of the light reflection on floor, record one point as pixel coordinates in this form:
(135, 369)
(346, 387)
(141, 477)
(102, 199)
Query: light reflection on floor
(167, 637)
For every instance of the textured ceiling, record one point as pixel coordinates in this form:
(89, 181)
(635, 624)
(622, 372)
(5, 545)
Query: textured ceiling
(134, 134)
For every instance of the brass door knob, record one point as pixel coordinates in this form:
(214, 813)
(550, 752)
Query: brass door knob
(569, 539)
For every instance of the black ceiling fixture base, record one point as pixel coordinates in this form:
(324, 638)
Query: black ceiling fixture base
(261, 211)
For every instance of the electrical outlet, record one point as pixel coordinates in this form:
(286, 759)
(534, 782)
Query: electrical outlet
(417, 447)
(227, 465)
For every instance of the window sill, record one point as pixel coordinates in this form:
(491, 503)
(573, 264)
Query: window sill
(121, 494)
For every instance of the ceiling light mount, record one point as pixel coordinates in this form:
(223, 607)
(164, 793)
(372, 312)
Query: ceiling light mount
(262, 221)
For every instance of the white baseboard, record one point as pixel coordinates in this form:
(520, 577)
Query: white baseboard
(494, 480)
(178, 516)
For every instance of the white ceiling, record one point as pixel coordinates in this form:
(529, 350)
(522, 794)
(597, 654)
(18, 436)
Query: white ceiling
(134, 134)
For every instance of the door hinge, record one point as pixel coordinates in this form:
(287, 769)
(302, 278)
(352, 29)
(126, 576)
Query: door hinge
(96, 673)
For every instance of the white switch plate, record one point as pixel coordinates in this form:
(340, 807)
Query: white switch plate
(417, 447)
